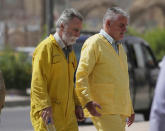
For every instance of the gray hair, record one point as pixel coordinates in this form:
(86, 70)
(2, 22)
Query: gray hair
(112, 12)
(66, 16)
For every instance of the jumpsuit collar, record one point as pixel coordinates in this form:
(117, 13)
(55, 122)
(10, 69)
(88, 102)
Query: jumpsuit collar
(59, 40)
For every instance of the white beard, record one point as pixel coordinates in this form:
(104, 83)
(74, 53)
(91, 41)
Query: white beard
(68, 39)
(73, 40)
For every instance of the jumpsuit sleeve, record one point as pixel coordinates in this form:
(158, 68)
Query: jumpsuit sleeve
(76, 100)
(40, 74)
(132, 110)
(89, 56)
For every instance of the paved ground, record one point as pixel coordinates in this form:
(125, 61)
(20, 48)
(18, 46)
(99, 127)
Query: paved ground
(137, 126)
(13, 100)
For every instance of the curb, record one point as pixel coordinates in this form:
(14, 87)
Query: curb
(13, 101)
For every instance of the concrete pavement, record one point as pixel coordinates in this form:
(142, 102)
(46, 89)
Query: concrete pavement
(15, 100)
(137, 126)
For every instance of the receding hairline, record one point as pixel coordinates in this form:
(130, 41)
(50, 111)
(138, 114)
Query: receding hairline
(67, 15)
(113, 12)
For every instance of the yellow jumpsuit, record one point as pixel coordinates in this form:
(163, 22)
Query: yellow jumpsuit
(53, 85)
(102, 76)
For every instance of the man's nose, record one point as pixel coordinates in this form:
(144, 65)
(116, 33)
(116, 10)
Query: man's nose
(77, 34)
(124, 29)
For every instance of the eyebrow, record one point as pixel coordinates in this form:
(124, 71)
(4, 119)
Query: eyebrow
(76, 29)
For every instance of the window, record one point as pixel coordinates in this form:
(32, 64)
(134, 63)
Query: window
(13, 4)
(149, 58)
(139, 55)
(131, 55)
(77, 48)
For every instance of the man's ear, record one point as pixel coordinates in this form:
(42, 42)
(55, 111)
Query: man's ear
(107, 26)
(108, 23)
(62, 27)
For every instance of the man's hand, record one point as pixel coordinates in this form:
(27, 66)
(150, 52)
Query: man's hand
(47, 115)
(131, 120)
(91, 106)
(79, 113)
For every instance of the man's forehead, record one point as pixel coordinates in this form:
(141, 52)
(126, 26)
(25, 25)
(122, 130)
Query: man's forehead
(119, 16)
(75, 22)
(75, 19)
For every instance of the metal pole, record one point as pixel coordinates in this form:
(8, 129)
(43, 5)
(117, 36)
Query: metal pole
(43, 17)
(49, 16)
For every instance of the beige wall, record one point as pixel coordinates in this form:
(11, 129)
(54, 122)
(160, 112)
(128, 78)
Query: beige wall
(27, 14)
(32, 7)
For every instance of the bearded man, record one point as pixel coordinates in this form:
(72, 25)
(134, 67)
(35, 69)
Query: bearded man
(52, 87)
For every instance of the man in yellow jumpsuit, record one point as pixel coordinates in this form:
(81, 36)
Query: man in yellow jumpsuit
(102, 83)
(53, 94)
